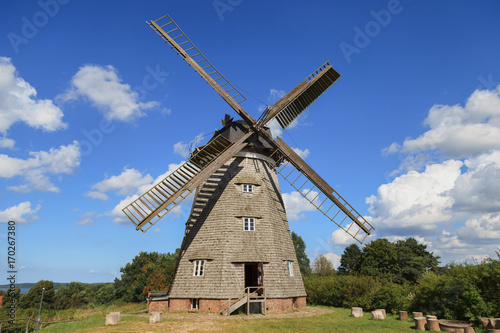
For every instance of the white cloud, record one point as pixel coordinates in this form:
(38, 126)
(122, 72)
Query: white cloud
(181, 148)
(296, 205)
(275, 128)
(141, 187)
(104, 89)
(125, 183)
(97, 195)
(86, 218)
(22, 213)
(302, 153)
(461, 131)
(448, 192)
(36, 169)
(416, 197)
(478, 189)
(341, 238)
(485, 228)
(117, 214)
(18, 103)
(393, 148)
(335, 259)
(7, 143)
(93, 271)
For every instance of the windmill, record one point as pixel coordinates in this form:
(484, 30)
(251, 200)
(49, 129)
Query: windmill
(237, 248)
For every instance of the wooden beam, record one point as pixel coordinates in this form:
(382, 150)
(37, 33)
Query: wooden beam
(243, 114)
(199, 178)
(296, 92)
(319, 182)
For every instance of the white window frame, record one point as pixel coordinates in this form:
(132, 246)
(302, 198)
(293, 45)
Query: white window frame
(195, 303)
(247, 188)
(249, 224)
(290, 267)
(199, 268)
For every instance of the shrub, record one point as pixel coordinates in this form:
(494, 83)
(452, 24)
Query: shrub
(461, 292)
(353, 290)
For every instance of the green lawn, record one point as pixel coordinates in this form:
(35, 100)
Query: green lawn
(336, 320)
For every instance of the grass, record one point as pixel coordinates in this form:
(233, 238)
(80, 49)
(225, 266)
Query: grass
(335, 320)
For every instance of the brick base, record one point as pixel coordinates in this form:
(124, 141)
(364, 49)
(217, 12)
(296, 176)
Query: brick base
(274, 305)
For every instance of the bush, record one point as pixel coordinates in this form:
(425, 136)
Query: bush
(461, 292)
(352, 290)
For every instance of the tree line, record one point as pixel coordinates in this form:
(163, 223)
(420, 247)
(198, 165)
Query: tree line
(403, 275)
(400, 275)
(147, 271)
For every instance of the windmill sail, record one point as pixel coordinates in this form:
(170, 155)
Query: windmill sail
(290, 106)
(178, 40)
(321, 195)
(164, 196)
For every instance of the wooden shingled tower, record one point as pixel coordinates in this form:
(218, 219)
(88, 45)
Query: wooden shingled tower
(237, 249)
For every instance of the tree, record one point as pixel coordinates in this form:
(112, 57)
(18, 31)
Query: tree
(8, 295)
(134, 279)
(401, 261)
(160, 275)
(323, 266)
(379, 259)
(105, 294)
(32, 298)
(350, 260)
(300, 252)
(413, 260)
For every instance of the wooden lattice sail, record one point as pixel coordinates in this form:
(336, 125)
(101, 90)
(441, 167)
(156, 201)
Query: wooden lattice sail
(237, 248)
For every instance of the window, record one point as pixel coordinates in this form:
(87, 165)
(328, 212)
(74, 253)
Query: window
(249, 224)
(247, 188)
(195, 303)
(199, 267)
(290, 267)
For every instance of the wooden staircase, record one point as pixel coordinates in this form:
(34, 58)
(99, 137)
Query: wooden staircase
(250, 295)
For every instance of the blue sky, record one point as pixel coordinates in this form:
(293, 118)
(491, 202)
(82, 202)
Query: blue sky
(94, 107)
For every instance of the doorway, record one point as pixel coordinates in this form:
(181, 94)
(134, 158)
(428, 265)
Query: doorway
(254, 274)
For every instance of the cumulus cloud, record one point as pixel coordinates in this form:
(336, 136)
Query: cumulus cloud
(335, 259)
(302, 153)
(296, 205)
(340, 238)
(104, 89)
(21, 213)
(461, 131)
(416, 197)
(125, 183)
(446, 191)
(485, 228)
(19, 103)
(137, 185)
(7, 143)
(36, 169)
(478, 189)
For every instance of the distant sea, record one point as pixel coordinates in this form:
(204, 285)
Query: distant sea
(23, 290)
